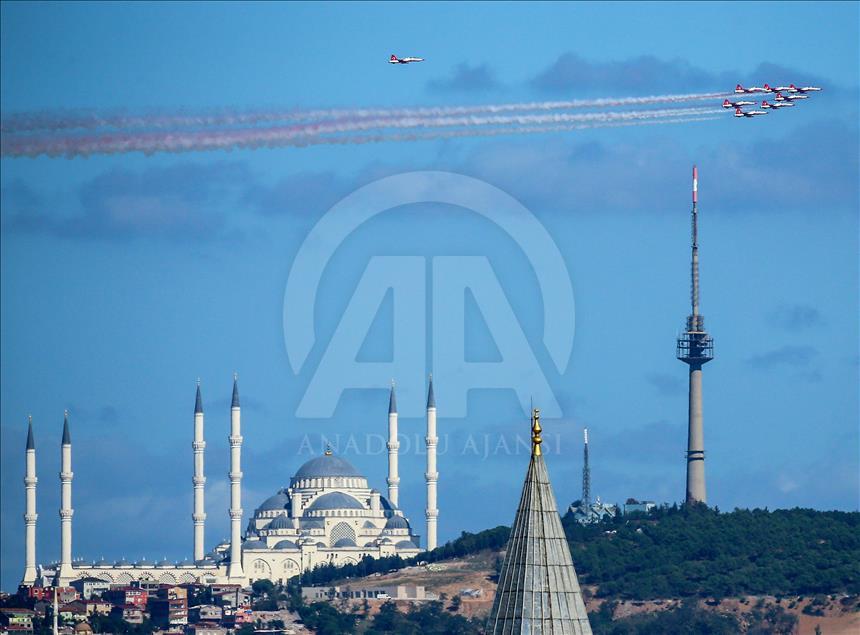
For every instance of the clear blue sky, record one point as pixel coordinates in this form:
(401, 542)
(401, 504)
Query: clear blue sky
(115, 317)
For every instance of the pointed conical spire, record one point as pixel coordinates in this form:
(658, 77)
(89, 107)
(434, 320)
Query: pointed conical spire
(431, 398)
(31, 445)
(67, 438)
(538, 591)
(392, 401)
(198, 402)
(235, 390)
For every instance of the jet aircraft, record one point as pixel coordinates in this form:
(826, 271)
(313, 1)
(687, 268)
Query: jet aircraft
(749, 113)
(789, 97)
(738, 104)
(805, 89)
(404, 60)
(751, 89)
(776, 105)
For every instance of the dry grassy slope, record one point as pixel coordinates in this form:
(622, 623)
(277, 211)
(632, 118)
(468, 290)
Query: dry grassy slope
(474, 572)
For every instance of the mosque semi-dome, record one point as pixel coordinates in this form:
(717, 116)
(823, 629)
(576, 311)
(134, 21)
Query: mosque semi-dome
(280, 522)
(335, 500)
(397, 522)
(278, 501)
(285, 544)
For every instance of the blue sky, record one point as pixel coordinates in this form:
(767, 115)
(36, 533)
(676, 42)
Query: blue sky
(115, 316)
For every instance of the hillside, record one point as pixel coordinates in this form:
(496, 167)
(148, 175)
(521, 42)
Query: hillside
(680, 552)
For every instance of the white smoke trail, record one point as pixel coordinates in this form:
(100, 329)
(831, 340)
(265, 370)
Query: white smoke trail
(177, 141)
(47, 121)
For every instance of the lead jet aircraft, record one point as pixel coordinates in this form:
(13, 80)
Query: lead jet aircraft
(737, 104)
(749, 113)
(404, 60)
(751, 89)
(777, 105)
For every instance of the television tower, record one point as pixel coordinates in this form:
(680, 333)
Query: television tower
(695, 348)
(586, 475)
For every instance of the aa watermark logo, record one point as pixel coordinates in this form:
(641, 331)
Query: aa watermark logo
(429, 299)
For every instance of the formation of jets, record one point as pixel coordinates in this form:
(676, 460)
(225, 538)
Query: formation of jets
(403, 60)
(783, 97)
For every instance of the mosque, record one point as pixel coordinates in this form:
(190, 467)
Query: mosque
(327, 514)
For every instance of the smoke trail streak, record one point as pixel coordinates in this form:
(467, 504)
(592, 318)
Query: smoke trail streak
(480, 132)
(33, 122)
(175, 141)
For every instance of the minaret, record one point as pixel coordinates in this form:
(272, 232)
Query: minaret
(65, 573)
(695, 348)
(30, 514)
(56, 610)
(538, 591)
(431, 475)
(393, 446)
(586, 476)
(235, 569)
(198, 480)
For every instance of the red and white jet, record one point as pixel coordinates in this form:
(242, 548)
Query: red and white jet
(789, 97)
(737, 104)
(749, 113)
(404, 60)
(805, 89)
(751, 89)
(777, 89)
(777, 105)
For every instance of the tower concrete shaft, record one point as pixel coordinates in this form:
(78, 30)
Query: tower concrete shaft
(695, 348)
(65, 572)
(393, 446)
(235, 570)
(199, 480)
(431, 475)
(30, 514)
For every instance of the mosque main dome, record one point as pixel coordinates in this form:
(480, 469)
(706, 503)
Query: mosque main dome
(326, 465)
(328, 514)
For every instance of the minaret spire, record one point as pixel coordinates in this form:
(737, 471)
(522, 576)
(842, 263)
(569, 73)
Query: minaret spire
(393, 446)
(431, 476)
(198, 480)
(235, 570)
(30, 515)
(586, 476)
(695, 348)
(538, 591)
(65, 573)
